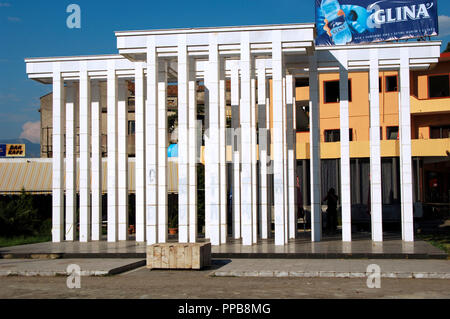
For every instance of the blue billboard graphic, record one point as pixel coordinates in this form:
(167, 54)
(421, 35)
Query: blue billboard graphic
(2, 150)
(342, 22)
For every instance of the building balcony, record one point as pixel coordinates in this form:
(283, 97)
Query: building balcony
(429, 106)
(389, 148)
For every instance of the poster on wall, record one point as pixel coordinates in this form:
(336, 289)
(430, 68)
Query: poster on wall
(12, 150)
(344, 22)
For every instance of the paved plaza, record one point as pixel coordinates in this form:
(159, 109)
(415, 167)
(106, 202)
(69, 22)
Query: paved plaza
(331, 247)
(146, 284)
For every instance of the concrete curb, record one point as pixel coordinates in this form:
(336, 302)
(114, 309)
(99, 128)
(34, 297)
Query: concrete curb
(330, 274)
(84, 273)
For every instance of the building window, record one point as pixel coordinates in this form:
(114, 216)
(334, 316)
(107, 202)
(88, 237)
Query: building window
(392, 132)
(131, 127)
(391, 84)
(438, 86)
(440, 132)
(301, 82)
(380, 85)
(332, 92)
(335, 135)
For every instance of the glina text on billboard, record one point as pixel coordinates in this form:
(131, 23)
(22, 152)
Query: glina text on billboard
(342, 22)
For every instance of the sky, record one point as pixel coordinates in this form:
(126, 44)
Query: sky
(38, 29)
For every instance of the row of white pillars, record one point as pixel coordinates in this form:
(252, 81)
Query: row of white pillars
(375, 149)
(151, 161)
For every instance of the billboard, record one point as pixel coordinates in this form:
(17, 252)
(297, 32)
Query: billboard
(343, 22)
(12, 150)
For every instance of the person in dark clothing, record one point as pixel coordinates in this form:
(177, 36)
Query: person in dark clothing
(331, 200)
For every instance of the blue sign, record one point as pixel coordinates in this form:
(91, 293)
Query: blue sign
(342, 22)
(2, 150)
(172, 150)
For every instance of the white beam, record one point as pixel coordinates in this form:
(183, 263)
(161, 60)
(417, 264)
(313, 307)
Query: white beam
(162, 152)
(58, 156)
(254, 151)
(85, 154)
(235, 122)
(314, 116)
(285, 164)
(222, 153)
(112, 154)
(151, 134)
(345, 150)
(375, 150)
(183, 141)
(96, 161)
(278, 158)
(71, 163)
(192, 153)
(122, 117)
(405, 148)
(140, 152)
(263, 120)
(246, 138)
(291, 155)
(212, 176)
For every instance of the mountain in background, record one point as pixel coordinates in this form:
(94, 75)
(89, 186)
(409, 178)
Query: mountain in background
(32, 150)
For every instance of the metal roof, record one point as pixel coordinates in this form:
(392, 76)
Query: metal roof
(35, 176)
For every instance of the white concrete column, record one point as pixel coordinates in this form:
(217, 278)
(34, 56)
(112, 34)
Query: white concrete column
(192, 94)
(96, 125)
(264, 222)
(212, 164)
(140, 152)
(278, 133)
(151, 139)
(254, 153)
(375, 150)
(345, 150)
(291, 155)
(222, 153)
(207, 166)
(183, 141)
(314, 120)
(71, 163)
(405, 148)
(85, 154)
(235, 122)
(162, 153)
(122, 116)
(112, 154)
(285, 165)
(246, 139)
(58, 156)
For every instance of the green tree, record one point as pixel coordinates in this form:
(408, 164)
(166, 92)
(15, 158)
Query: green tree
(18, 216)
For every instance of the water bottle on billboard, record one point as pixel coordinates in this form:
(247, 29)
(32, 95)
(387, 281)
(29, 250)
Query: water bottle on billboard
(336, 25)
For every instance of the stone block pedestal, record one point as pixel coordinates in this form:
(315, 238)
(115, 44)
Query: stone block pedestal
(179, 256)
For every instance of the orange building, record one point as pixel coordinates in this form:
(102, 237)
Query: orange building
(430, 125)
